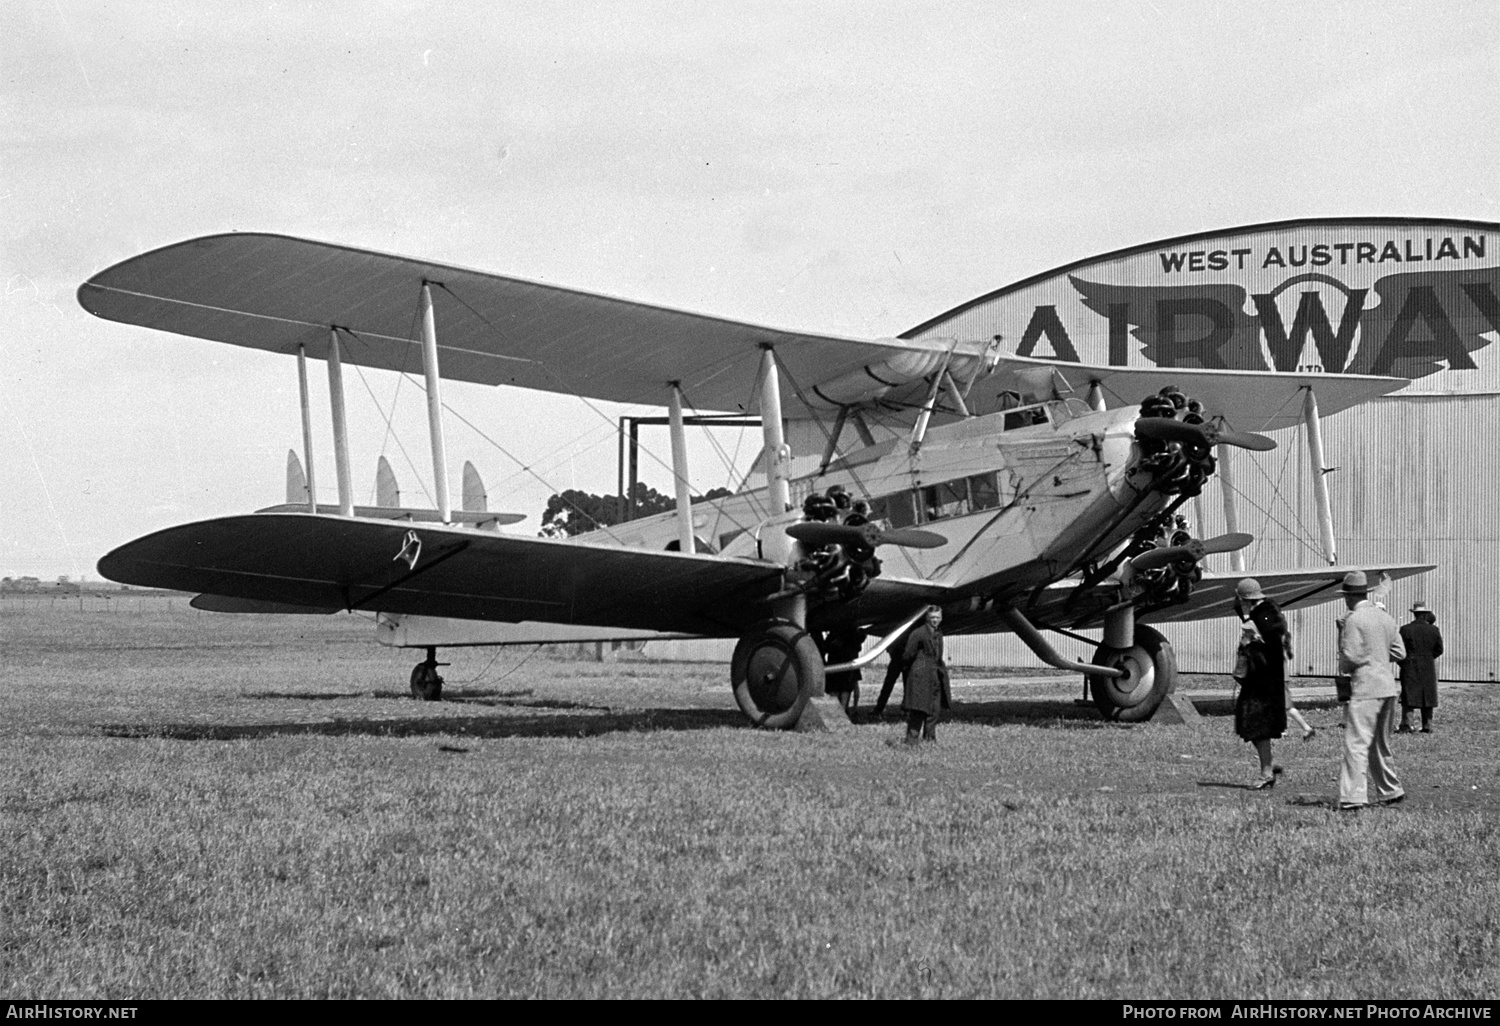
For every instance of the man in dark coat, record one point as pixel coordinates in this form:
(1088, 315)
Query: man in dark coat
(927, 691)
(895, 670)
(1424, 643)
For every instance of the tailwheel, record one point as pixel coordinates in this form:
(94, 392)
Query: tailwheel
(1150, 676)
(426, 682)
(775, 670)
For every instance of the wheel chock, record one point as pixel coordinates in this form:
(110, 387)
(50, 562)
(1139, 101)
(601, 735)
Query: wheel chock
(1176, 710)
(823, 715)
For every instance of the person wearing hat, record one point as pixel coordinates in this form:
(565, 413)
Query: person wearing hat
(1368, 644)
(1260, 668)
(1424, 643)
(1252, 604)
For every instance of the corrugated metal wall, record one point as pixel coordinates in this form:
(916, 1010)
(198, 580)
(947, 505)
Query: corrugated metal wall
(1415, 483)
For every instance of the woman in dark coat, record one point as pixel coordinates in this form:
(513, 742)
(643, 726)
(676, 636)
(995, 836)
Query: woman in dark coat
(842, 646)
(926, 693)
(1424, 643)
(1260, 669)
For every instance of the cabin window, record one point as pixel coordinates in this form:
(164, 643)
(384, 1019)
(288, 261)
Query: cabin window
(984, 491)
(1025, 417)
(949, 499)
(896, 509)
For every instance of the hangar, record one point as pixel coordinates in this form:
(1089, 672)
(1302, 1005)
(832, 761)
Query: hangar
(1410, 477)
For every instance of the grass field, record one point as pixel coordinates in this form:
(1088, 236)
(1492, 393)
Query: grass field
(195, 805)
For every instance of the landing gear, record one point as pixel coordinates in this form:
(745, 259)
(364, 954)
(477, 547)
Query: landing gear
(426, 682)
(1150, 676)
(776, 669)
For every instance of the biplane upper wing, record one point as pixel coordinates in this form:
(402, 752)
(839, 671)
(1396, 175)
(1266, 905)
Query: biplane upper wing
(1214, 595)
(1247, 400)
(301, 562)
(277, 293)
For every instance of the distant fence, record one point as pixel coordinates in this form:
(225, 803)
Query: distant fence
(124, 604)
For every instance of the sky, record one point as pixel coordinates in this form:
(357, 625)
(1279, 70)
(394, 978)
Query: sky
(851, 168)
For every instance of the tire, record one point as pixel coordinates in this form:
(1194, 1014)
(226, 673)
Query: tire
(426, 683)
(1152, 676)
(776, 669)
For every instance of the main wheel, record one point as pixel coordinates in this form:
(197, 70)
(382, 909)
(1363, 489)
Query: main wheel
(775, 670)
(1150, 668)
(426, 682)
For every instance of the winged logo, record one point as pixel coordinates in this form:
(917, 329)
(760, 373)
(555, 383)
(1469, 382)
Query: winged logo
(1407, 325)
(411, 551)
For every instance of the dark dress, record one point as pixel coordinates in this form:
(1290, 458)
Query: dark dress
(927, 674)
(1260, 708)
(843, 646)
(1424, 643)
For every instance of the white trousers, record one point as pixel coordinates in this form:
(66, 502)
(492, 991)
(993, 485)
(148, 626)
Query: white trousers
(1367, 753)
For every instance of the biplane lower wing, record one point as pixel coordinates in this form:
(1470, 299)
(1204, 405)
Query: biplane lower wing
(335, 562)
(1213, 596)
(299, 562)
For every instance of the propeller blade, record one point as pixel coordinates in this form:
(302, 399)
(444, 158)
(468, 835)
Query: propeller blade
(912, 538)
(1227, 543)
(1165, 429)
(1245, 440)
(818, 534)
(1155, 559)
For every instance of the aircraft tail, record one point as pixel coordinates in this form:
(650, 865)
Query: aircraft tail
(476, 500)
(296, 480)
(387, 492)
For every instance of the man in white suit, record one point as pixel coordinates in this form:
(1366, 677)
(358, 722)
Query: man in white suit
(1369, 642)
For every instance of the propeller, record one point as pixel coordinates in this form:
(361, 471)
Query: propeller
(1165, 429)
(1155, 559)
(818, 533)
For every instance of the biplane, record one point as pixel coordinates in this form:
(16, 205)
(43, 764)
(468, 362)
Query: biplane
(1007, 490)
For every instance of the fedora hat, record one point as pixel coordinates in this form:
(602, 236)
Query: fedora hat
(1420, 607)
(1355, 583)
(1248, 590)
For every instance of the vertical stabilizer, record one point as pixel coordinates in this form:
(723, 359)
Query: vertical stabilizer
(296, 481)
(475, 498)
(387, 492)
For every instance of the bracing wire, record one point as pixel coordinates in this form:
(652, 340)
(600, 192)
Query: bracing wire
(475, 428)
(566, 384)
(390, 434)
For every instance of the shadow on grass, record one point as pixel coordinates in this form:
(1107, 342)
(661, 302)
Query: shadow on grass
(476, 697)
(566, 725)
(575, 719)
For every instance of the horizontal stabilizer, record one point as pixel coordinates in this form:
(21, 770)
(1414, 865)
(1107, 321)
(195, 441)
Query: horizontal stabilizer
(420, 516)
(226, 604)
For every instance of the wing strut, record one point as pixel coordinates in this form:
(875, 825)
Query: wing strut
(340, 424)
(1225, 469)
(779, 455)
(1320, 485)
(680, 471)
(435, 406)
(307, 449)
